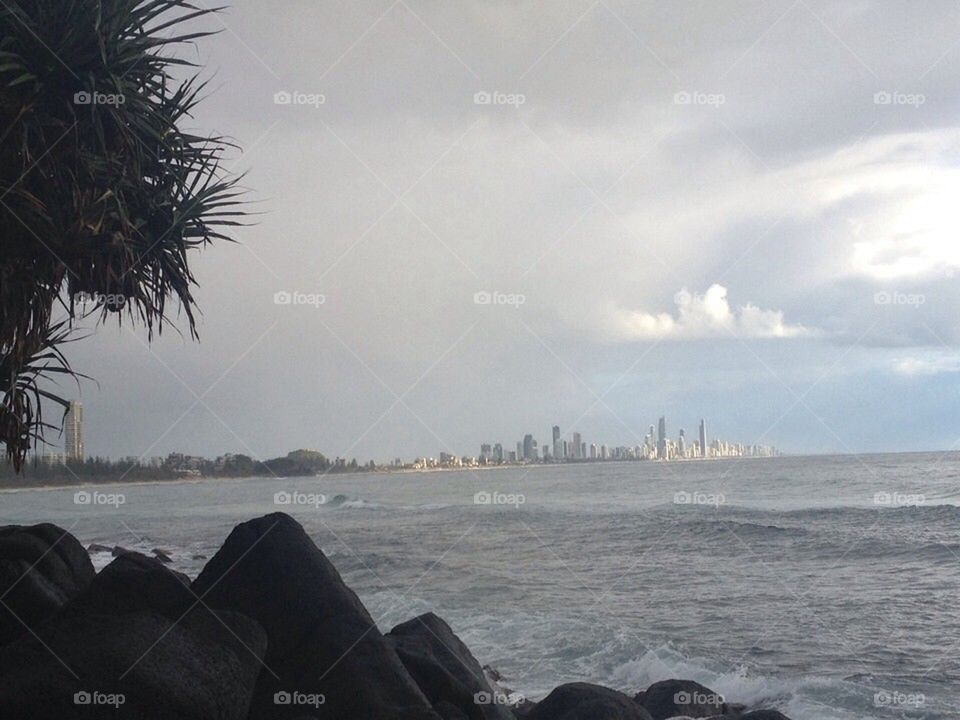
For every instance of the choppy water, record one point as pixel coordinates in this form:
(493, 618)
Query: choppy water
(793, 587)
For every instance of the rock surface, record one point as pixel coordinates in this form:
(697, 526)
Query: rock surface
(445, 670)
(322, 643)
(680, 698)
(583, 701)
(117, 651)
(41, 568)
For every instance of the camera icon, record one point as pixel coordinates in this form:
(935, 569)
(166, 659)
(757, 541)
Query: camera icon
(882, 699)
(683, 298)
(82, 98)
(882, 298)
(482, 698)
(282, 298)
(82, 498)
(682, 698)
(482, 98)
(883, 498)
(82, 698)
(682, 498)
(482, 298)
(882, 98)
(682, 98)
(282, 498)
(483, 498)
(282, 698)
(282, 98)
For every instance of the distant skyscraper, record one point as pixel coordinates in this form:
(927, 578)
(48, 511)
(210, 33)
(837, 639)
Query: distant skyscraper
(557, 446)
(577, 443)
(529, 447)
(498, 453)
(682, 444)
(662, 439)
(703, 438)
(73, 431)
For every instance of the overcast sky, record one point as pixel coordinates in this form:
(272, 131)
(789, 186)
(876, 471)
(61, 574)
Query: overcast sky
(743, 211)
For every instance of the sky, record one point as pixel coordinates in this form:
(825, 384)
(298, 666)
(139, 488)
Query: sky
(481, 219)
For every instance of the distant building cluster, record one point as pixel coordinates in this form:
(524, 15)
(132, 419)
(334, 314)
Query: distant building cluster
(657, 445)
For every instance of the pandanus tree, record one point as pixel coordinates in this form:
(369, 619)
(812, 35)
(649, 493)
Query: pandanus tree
(103, 192)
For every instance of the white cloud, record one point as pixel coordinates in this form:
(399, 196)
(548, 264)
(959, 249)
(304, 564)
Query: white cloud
(913, 366)
(703, 316)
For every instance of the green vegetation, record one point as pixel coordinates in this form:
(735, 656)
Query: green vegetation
(102, 192)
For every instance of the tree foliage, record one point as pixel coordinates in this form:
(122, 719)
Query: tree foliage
(103, 192)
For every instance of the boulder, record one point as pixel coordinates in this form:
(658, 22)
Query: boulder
(752, 715)
(162, 555)
(445, 670)
(679, 698)
(41, 568)
(322, 642)
(583, 701)
(132, 646)
(134, 582)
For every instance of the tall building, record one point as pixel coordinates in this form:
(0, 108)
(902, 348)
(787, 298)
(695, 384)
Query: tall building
(682, 444)
(703, 438)
(577, 446)
(557, 447)
(529, 447)
(662, 439)
(498, 453)
(73, 431)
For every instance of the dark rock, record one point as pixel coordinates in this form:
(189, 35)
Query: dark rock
(162, 555)
(134, 582)
(119, 550)
(449, 712)
(200, 668)
(582, 701)
(445, 670)
(321, 640)
(753, 715)
(523, 708)
(680, 698)
(135, 634)
(41, 568)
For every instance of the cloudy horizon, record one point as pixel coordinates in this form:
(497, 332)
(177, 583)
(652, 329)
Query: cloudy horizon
(478, 222)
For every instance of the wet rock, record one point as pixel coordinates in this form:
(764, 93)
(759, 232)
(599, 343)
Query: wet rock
(583, 701)
(41, 568)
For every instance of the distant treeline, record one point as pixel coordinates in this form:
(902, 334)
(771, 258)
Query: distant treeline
(174, 467)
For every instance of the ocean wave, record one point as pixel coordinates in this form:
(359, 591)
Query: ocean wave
(802, 698)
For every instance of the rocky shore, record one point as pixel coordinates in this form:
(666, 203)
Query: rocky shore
(267, 631)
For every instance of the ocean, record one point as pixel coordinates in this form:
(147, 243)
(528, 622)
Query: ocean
(828, 587)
